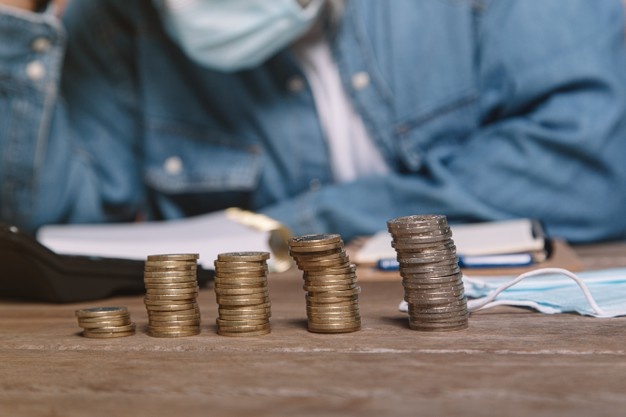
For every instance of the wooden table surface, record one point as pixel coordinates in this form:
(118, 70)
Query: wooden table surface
(510, 362)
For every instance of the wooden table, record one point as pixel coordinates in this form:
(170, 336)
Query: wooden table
(510, 362)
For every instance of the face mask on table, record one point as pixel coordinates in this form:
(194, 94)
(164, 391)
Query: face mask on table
(599, 293)
(231, 35)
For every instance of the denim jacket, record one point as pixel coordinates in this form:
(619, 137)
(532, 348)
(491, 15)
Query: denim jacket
(483, 110)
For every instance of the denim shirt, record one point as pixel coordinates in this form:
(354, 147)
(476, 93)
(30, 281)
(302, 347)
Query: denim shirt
(483, 110)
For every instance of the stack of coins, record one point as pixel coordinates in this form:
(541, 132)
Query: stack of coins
(244, 307)
(105, 322)
(432, 279)
(330, 282)
(171, 295)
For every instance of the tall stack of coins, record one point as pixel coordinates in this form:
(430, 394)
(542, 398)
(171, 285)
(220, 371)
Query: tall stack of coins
(105, 322)
(432, 279)
(330, 282)
(244, 307)
(171, 295)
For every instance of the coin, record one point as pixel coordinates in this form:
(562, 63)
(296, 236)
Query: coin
(93, 335)
(334, 328)
(195, 330)
(241, 323)
(242, 294)
(430, 273)
(101, 311)
(108, 323)
(100, 319)
(330, 283)
(314, 240)
(174, 257)
(263, 332)
(243, 256)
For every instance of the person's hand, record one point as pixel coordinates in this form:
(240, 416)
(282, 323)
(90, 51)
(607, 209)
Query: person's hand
(31, 5)
(34, 5)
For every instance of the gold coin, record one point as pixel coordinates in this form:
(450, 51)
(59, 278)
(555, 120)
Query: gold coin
(243, 256)
(92, 335)
(235, 285)
(172, 297)
(101, 311)
(349, 278)
(266, 304)
(351, 310)
(237, 315)
(180, 333)
(325, 328)
(176, 314)
(331, 271)
(333, 312)
(240, 291)
(314, 240)
(108, 323)
(223, 332)
(175, 267)
(335, 319)
(114, 329)
(99, 319)
(419, 326)
(237, 323)
(170, 273)
(335, 294)
(171, 291)
(174, 257)
(242, 302)
(174, 326)
(261, 316)
(243, 311)
(174, 319)
(257, 280)
(171, 285)
(170, 307)
(229, 267)
(327, 288)
(246, 328)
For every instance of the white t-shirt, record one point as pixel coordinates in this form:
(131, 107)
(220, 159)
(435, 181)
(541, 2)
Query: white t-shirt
(352, 152)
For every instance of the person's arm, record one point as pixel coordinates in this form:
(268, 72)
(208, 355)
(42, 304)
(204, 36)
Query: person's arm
(551, 146)
(59, 113)
(29, 5)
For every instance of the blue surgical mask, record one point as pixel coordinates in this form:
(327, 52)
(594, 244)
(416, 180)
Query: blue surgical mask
(231, 35)
(600, 293)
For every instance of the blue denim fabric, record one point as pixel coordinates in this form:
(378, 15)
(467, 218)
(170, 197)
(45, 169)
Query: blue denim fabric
(483, 110)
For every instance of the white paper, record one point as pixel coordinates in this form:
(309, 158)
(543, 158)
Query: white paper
(208, 235)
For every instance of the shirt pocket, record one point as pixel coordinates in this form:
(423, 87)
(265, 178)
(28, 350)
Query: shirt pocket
(182, 159)
(436, 130)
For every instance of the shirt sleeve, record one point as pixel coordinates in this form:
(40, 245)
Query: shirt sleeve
(66, 96)
(550, 144)
(31, 51)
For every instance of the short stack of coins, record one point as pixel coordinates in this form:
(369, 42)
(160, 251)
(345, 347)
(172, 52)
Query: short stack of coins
(330, 282)
(171, 295)
(242, 295)
(105, 322)
(432, 279)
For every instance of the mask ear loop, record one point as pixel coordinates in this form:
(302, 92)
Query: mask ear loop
(488, 300)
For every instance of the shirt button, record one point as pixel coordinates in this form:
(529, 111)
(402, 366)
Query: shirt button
(35, 71)
(315, 184)
(295, 84)
(360, 80)
(41, 45)
(173, 165)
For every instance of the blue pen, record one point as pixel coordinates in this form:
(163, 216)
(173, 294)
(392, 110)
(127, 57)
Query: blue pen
(489, 261)
(388, 264)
